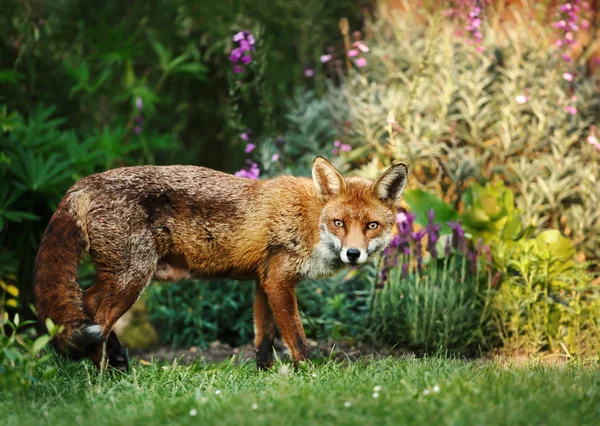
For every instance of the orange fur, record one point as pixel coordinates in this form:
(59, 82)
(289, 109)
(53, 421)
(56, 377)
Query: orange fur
(176, 222)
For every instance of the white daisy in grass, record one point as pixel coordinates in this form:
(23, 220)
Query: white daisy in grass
(218, 392)
(255, 406)
(193, 412)
(377, 388)
(375, 395)
(347, 404)
(436, 388)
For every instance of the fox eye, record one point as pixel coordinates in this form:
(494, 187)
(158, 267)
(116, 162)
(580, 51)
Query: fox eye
(373, 225)
(338, 223)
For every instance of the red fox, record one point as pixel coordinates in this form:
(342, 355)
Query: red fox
(176, 222)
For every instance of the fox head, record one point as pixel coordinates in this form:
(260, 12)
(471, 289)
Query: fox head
(358, 215)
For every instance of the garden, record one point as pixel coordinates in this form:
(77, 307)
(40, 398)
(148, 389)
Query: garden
(485, 307)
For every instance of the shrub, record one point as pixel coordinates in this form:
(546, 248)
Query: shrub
(457, 114)
(438, 301)
(20, 357)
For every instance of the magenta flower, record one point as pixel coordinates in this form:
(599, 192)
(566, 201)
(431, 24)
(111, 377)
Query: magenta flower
(361, 62)
(571, 109)
(275, 157)
(252, 173)
(353, 53)
(245, 136)
(249, 148)
(242, 54)
(138, 130)
(568, 76)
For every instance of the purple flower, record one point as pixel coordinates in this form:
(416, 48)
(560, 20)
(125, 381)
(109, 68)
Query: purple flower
(472, 261)
(325, 58)
(488, 254)
(433, 233)
(309, 72)
(405, 221)
(345, 147)
(245, 136)
(404, 270)
(275, 157)
(447, 248)
(458, 236)
(138, 103)
(251, 173)
(249, 148)
(246, 59)
(235, 55)
(251, 40)
(353, 53)
(138, 130)
(239, 37)
(237, 69)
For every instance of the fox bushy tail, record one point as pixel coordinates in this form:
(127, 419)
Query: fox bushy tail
(58, 295)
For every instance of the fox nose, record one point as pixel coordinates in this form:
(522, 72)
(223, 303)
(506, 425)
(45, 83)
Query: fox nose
(353, 254)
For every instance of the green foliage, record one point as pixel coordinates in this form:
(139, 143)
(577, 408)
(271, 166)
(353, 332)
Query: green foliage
(489, 212)
(20, 354)
(444, 305)
(39, 161)
(546, 301)
(336, 308)
(199, 312)
(421, 202)
(429, 98)
(196, 313)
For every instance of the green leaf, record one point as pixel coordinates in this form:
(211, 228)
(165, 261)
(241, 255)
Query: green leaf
(421, 202)
(40, 343)
(10, 76)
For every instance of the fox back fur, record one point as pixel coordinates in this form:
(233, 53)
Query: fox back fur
(177, 222)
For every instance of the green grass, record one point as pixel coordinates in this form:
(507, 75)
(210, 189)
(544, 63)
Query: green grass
(480, 393)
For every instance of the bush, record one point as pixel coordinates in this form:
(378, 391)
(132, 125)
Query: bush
(429, 98)
(441, 301)
(40, 160)
(20, 353)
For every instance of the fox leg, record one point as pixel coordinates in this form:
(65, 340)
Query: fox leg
(264, 329)
(279, 284)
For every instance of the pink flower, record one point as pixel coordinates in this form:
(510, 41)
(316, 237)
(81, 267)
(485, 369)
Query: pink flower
(345, 147)
(571, 109)
(337, 144)
(521, 99)
(138, 130)
(245, 137)
(309, 72)
(568, 76)
(249, 148)
(325, 58)
(559, 43)
(251, 173)
(138, 102)
(239, 37)
(335, 151)
(566, 57)
(352, 53)
(275, 157)
(480, 49)
(593, 140)
(585, 23)
(561, 24)
(361, 46)
(361, 62)
(565, 7)
(237, 69)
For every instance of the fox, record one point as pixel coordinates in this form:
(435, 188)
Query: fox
(170, 223)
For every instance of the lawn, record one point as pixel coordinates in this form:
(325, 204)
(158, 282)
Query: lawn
(389, 391)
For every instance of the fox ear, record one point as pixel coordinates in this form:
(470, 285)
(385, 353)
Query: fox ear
(389, 186)
(328, 181)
